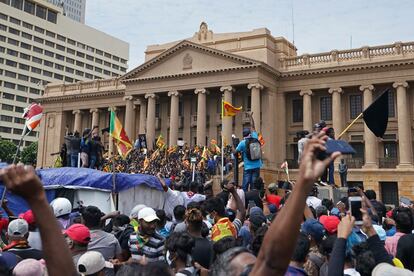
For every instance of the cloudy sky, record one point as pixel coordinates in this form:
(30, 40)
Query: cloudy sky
(320, 25)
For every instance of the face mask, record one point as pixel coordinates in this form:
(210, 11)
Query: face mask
(210, 219)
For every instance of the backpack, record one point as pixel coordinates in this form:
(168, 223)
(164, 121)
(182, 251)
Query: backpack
(253, 149)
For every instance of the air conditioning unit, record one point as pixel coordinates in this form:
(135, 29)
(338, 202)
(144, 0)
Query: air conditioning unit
(157, 123)
(193, 122)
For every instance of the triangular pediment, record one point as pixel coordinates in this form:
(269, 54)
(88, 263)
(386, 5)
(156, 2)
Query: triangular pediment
(188, 58)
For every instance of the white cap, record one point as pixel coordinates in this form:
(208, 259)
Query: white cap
(18, 228)
(92, 262)
(385, 269)
(135, 210)
(148, 214)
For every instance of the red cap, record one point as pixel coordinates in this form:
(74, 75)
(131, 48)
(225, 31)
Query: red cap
(28, 217)
(389, 214)
(330, 223)
(78, 233)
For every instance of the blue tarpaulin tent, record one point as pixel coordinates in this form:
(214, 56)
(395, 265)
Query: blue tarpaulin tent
(84, 179)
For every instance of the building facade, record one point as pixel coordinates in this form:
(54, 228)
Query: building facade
(177, 92)
(74, 9)
(38, 46)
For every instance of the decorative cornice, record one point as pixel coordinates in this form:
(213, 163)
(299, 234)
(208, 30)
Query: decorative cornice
(226, 88)
(401, 83)
(369, 87)
(94, 110)
(200, 91)
(255, 85)
(80, 96)
(335, 90)
(306, 92)
(174, 93)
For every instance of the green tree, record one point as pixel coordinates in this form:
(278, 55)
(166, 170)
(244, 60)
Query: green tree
(28, 155)
(7, 151)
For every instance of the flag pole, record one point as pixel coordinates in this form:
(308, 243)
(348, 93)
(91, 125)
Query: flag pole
(222, 140)
(15, 158)
(350, 125)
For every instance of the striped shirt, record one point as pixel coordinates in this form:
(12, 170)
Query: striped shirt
(152, 248)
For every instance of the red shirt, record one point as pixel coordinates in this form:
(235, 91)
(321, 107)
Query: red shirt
(4, 223)
(273, 199)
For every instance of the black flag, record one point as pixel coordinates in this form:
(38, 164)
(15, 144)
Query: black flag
(376, 115)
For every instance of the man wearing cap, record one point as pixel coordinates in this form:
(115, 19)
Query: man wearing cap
(146, 241)
(315, 232)
(93, 263)
(17, 234)
(34, 239)
(251, 168)
(77, 237)
(256, 220)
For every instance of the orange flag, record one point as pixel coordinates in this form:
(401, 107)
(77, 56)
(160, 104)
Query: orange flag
(229, 110)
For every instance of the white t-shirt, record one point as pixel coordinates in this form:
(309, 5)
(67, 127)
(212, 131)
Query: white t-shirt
(189, 197)
(231, 203)
(172, 199)
(313, 201)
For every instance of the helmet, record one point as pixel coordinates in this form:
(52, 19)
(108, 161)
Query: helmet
(61, 206)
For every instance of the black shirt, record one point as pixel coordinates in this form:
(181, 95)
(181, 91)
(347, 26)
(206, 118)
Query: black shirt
(255, 196)
(26, 252)
(202, 252)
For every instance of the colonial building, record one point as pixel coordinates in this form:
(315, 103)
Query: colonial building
(177, 92)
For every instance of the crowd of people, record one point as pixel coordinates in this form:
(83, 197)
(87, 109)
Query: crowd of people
(262, 230)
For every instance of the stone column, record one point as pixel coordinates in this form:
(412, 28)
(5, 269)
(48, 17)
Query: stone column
(78, 121)
(371, 144)
(142, 115)
(129, 117)
(201, 116)
(95, 117)
(336, 109)
(307, 109)
(150, 120)
(255, 95)
(404, 126)
(174, 117)
(227, 121)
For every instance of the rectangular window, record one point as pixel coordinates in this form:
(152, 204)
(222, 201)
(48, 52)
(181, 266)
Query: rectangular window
(12, 52)
(26, 35)
(59, 67)
(355, 105)
(51, 16)
(123, 69)
(389, 193)
(79, 73)
(14, 20)
(80, 54)
(116, 67)
(14, 31)
(97, 60)
(3, 27)
(24, 56)
(3, 16)
(19, 120)
(39, 30)
(88, 66)
(108, 55)
(11, 63)
(47, 73)
(6, 129)
(49, 53)
(107, 63)
(6, 118)
(35, 80)
(2, 38)
(22, 88)
(29, 7)
(391, 104)
(81, 45)
(17, 131)
(13, 41)
(36, 70)
(18, 4)
(69, 70)
(90, 49)
(7, 107)
(97, 69)
(8, 96)
(99, 52)
(37, 60)
(2, 49)
(25, 46)
(60, 47)
(48, 63)
(80, 63)
(124, 61)
(27, 25)
(71, 51)
(38, 50)
(58, 76)
(106, 72)
(50, 34)
(60, 57)
(23, 77)
(50, 43)
(40, 11)
(68, 79)
(115, 58)
(9, 85)
(61, 38)
(18, 109)
(10, 74)
(21, 99)
(34, 91)
(89, 76)
(24, 66)
(326, 108)
(71, 41)
(38, 39)
(88, 57)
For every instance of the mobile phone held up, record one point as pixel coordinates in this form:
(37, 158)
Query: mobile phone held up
(334, 146)
(355, 205)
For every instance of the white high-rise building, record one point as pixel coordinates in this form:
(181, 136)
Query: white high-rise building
(74, 9)
(39, 45)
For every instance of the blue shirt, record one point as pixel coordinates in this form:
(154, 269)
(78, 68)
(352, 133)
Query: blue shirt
(248, 164)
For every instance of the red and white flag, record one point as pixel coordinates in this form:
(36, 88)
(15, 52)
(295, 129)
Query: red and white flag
(32, 114)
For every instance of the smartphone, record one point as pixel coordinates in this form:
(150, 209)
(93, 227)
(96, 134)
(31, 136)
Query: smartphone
(334, 146)
(355, 205)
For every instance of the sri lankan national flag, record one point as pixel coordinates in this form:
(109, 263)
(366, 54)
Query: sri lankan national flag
(117, 131)
(229, 110)
(160, 142)
(214, 146)
(204, 155)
